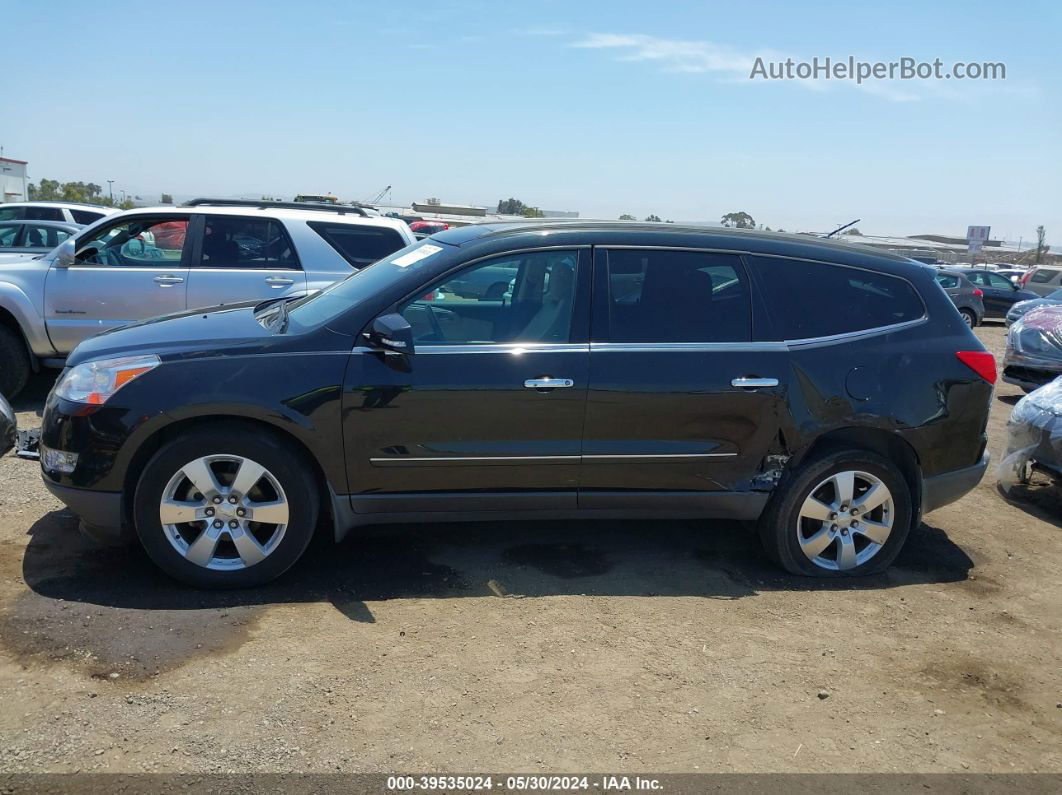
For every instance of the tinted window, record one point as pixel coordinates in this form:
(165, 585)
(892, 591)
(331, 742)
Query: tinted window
(677, 296)
(8, 233)
(947, 281)
(85, 216)
(1043, 275)
(235, 242)
(11, 213)
(141, 242)
(359, 245)
(813, 299)
(43, 214)
(43, 236)
(536, 307)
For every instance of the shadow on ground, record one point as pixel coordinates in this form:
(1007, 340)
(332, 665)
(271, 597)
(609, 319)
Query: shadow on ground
(112, 611)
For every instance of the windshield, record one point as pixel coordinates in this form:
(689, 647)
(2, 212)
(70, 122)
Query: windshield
(362, 285)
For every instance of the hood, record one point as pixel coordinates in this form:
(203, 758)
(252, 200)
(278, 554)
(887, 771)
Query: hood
(203, 332)
(1025, 306)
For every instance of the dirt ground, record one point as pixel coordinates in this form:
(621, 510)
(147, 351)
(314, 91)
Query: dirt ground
(618, 646)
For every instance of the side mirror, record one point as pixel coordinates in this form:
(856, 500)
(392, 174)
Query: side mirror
(391, 333)
(64, 255)
(1014, 283)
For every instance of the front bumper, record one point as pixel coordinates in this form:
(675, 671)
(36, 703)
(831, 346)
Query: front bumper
(946, 488)
(101, 511)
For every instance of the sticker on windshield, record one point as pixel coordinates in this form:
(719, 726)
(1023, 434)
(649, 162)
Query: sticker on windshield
(416, 255)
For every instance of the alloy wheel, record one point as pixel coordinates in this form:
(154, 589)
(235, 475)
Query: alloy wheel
(224, 512)
(845, 520)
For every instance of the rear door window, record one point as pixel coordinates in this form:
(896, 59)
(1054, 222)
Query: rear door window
(815, 299)
(360, 245)
(85, 216)
(38, 236)
(660, 296)
(1043, 275)
(232, 241)
(8, 234)
(43, 214)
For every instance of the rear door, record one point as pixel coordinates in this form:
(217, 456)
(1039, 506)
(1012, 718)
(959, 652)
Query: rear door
(129, 270)
(242, 258)
(684, 402)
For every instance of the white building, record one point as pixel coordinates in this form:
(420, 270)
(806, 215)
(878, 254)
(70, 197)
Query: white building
(13, 182)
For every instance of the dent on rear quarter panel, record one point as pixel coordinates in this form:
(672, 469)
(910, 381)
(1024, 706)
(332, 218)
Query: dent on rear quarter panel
(912, 386)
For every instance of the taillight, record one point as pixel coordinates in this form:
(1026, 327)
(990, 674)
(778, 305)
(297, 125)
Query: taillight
(978, 292)
(981, 362)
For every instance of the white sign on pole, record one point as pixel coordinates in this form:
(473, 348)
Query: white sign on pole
(976, 237)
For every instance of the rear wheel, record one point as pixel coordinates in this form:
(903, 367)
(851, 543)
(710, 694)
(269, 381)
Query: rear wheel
(14, 362)
(225, 508)
(847, 513)
(968, 317)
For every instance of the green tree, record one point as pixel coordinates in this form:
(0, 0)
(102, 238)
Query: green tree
(533, 212)
(652, 217)
(511, 207)
(740, 220)
(853, 231)
(88, 192)
(167, 198)
(1041, 246)
(627, 217)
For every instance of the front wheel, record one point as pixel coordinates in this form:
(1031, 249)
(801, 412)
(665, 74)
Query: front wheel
(224, 507)
(843, 514)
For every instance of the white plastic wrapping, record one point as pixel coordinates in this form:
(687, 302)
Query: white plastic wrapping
(1034, 437)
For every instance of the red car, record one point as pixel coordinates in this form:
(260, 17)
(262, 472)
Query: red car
(425, 228)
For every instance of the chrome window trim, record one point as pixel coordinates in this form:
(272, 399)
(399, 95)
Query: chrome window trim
(848, 336)
(516, 349)
(628, 456)
(664, 347)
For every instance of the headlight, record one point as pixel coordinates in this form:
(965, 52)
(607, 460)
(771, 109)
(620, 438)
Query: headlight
(95, 382)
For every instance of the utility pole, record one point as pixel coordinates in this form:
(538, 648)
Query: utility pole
(110, 189)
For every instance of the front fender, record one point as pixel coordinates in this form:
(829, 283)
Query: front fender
(15, 302)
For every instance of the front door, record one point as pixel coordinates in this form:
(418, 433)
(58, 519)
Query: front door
(682, 403)
(126, 271)
(490, 405)
(999, 292)
(242, 259)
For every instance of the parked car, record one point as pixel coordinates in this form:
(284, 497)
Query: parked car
(148, 262)
(1022, 308)
(1034, 349)
(8, 427)
(486, 284)
(1014, 274)
(71, 212)
(1042, 280)
(966, 297)
(424, 229)
(1034, 437)
(29, 238)
(836, 429)
(1000, 293)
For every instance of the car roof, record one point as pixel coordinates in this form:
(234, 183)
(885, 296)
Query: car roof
(28, 221)
(281, 213)
(672, 234)
(50, 203)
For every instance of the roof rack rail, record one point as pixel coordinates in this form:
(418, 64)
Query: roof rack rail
(265, 204)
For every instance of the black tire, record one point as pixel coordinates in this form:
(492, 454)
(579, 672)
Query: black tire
(14, 363)
(778, 525)
(969, 317)
(277, 456)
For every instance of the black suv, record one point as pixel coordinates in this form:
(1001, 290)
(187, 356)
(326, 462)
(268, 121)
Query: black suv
(829, 391)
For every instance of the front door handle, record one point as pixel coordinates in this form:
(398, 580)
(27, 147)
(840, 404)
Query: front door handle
(279, 281)
(168, 281)
(750, 382)
(548, 382)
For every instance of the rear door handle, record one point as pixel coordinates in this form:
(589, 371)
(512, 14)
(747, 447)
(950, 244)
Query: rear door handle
(168, 281)
(748, 382)
(548, 383)
(279, 281)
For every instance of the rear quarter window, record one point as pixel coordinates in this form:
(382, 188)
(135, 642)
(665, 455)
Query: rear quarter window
(816, 299)
(947, 282)
(1043, 276)
(359, 245)
(85, 216)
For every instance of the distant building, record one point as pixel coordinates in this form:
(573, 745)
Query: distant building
(14, 186)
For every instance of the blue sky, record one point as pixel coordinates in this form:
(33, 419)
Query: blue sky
(601, 107)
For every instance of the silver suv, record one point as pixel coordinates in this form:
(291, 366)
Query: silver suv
(70, 212)
(157, 261)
